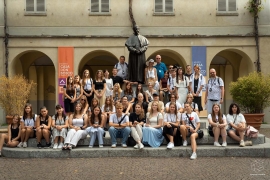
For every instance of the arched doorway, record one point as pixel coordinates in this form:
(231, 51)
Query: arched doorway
(169, 57)
(97, 60)
(37, 66)
(229, 65)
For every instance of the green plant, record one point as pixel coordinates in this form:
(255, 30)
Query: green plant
(254, 7)
(252, 92)
(15, 92)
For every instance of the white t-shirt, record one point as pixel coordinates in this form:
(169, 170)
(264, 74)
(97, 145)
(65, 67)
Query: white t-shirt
(153, 120)
(168, 117)
(116, 120)
(213, 87)
(29, 122)
(216, 120)
(107, 110)
(178, 105)
(235, 119)
(194, 118)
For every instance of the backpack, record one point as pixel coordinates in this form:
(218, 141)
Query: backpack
(217, 80)
(251, 132)
(116, 65)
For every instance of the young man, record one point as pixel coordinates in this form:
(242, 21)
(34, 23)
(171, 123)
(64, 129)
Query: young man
(188, 71)
(119, 126)
(171, 83)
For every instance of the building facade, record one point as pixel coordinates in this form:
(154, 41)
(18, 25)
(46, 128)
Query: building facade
(96, 30)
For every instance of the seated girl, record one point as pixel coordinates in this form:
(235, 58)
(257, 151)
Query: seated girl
(77, 124)
(126, 105)
(128, 92)
(107, 109)
(59, 127)
(97, 121)
(152, 132)
(116, 93)
(12, 138)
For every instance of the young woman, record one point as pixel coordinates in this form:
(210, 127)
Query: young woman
(69, 95)
(196, 84)
(87, 84)
(188, 129)
(128, 92)
(116, 93)
(43, 124)
(182, 85)
(78, 87)
(141, 102)
(109, 83)
(151, 74)
(93, 104)
(84, 102)
(136, 122)
(59, 127)
(12, 138)
(173, 100)
(237, 125)
(99, 86)
(107, 109)
(97, 121)
(218, 122)
(27, 125)
(152, 132)
(149, 93)
(171, 124)
(193, 105)
(77, 125)
(126, 105)
(139, 89)
(163, 90)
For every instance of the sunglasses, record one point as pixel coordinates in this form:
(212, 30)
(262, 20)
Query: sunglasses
(82, 99)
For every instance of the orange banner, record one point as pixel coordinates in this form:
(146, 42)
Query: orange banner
(65, 68)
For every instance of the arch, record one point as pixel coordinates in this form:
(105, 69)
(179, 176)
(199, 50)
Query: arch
(39, 67)
(169, 57)
(98, 59)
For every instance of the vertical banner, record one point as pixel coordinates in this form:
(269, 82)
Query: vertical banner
(199, 58)
(65, 69)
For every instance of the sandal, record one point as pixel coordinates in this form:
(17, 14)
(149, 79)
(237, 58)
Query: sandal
(64, 147)
(69, 147)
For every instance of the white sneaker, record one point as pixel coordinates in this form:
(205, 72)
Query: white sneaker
(60, 146)
(217, 144)
(170, 145)
(20, 145)
(113, 145)
(224, 144)
(101, 145)
(193, 156)
(185, 143)
(90, 146)
(141, 146)
(25, 144)
(124, 145)
(55, 146)
(242, 143)
(136, 146)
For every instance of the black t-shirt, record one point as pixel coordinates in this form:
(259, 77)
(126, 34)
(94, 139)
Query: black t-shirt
(117, 79)
(99, 85)
(134, 117)
(144, 104)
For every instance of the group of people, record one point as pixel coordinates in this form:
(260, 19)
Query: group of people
(168, 109)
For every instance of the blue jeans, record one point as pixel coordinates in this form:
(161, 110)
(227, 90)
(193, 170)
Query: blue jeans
(119, 133)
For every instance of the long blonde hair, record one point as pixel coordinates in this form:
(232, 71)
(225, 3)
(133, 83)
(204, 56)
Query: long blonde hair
(151, 110)
(119, 90)
(84, 79)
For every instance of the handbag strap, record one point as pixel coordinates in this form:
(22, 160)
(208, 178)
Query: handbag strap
(190, 122)
(122, 119)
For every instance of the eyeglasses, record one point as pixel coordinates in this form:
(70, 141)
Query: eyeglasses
(212, 72)
(82, 99)
(170, 68)
(158, 58)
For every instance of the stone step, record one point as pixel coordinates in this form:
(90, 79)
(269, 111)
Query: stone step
(206, 140)
(260, 150)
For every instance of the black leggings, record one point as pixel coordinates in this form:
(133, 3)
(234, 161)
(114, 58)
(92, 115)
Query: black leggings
(89, 99)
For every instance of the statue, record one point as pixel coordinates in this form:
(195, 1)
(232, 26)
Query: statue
(137, 45)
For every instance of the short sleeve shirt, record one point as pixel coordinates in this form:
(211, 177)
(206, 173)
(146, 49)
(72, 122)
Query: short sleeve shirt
(172, 117)
(29, 122)
(178, 105)
(214, 91)
(99, 85)
(161, 68)
(153, 120)
(215, 120)
(122, 70)
(193, 118)
(235, 119)
(134, 117)
(116, 120)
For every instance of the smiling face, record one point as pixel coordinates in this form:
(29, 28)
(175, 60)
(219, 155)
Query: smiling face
(234, 109)
(96, 111)
(44, 112)
(27, 109)
(212, 73)
(86, 73)
(172, 108)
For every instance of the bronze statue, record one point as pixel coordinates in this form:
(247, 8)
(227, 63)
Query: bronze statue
(137, 45)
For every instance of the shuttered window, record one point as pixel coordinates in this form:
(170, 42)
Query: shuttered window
(100, 6)
(35, 6)
(163, 6)
(227, 5)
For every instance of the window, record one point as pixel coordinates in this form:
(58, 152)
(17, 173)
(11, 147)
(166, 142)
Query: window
(164, 6)
(35, 6)
(227, 6)
(100, 7)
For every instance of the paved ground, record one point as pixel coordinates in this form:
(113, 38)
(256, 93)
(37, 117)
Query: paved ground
(136, 168)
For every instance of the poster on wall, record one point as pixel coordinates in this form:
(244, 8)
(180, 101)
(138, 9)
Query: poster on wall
(65, 69)
(199, 58)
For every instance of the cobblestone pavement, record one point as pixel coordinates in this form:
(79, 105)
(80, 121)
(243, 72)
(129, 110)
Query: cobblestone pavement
(136, 168)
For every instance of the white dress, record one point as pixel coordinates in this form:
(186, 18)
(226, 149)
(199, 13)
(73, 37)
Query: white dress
(109, 86)
(182, 87)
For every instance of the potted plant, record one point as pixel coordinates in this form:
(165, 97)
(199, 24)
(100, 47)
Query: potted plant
(252, 93)
(15, 92)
